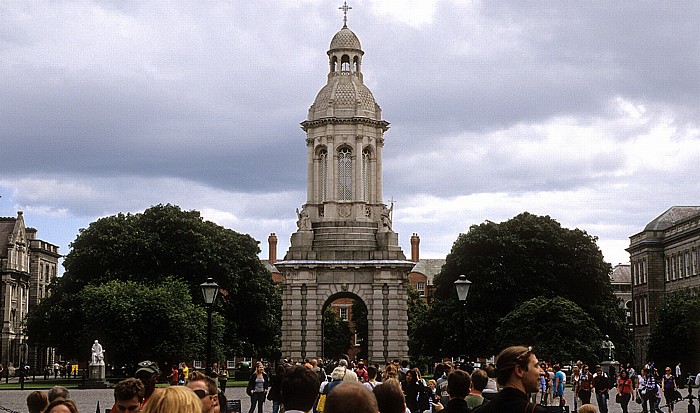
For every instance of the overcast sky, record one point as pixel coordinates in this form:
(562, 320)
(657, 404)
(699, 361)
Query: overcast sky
(585, 111)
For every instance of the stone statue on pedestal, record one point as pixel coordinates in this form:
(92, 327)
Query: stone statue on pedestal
(607, 350)
(98, 356)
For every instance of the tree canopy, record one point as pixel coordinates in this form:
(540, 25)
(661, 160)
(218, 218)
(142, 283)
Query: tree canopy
(561, 329)
(675, 336)
(510, 263)
(162, 246)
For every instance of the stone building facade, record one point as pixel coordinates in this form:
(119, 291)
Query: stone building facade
(27, 267)
(664, 258)
(344, 246)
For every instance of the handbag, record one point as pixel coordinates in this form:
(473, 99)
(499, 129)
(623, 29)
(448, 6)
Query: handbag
(321, 402)
(618, 398)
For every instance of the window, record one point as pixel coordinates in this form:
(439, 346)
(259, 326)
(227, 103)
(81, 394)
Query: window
(345, 63)
(365, 174)
(197, 364)
(675, 268)
(421, 288)
(323, 174)
(688, 265)
(230, 364)
(668, 268)
(345, 174)
(343, 313)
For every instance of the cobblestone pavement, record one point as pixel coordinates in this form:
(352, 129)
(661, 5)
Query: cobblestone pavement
(86, 400)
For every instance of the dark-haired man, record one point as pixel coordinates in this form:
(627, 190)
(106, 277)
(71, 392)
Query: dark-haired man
(299, 389)
(351, 397)
(128, 396)
(458, 383)
(518, 373)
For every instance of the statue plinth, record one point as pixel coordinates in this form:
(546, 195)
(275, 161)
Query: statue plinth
(96, 377)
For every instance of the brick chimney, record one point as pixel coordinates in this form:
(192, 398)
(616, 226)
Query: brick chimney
(415, 242)
(272, 248)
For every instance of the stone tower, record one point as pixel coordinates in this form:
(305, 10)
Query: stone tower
(344, 245)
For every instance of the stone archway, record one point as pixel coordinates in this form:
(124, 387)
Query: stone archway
(308, 285)
(347, 304)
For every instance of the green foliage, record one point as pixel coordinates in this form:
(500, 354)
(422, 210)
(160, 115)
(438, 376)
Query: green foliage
(167, 243)
(557, 328)
(512, 262)
(675, 336)
(336, 335)
(133, 323)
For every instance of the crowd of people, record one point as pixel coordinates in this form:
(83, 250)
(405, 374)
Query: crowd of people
(518, 382)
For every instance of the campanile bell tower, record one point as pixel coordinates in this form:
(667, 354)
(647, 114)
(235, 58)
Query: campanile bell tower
(344, 139)
(344, 246)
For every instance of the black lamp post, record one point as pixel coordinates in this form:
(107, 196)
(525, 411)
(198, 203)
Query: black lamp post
(462, 286)
(209, 290)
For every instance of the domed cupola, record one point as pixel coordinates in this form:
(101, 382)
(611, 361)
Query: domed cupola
(345, 94)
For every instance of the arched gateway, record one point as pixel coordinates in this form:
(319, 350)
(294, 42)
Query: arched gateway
(344, 243)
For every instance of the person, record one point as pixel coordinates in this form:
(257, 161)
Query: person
(257, 388)
(601, 384)
(585, 384)
(361, 372)
(558, 381)
(478, 384)
(299, 388)
(414, 390)
(542, 389)
(174, 399)
(174, 375)
(317, 367)
(185, 371)
(351, 397)
(205, 388)
(517, 372)
(61, 405)
(442, 383)
(148, 372)
(57, 392)
(371, 382)
(669, 386)
(625, 390)
(129, 396)
(223, 377)
(679, 375)
(587, 408)
(390, 398)
(275, 394)
(647, 389)
(575, 376)
(458, 384)
(37, 402)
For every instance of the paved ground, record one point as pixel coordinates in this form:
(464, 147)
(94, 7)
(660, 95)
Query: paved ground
(15, 400)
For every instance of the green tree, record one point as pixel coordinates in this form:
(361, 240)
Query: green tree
(557, 328)
(675, 336)
(336, 335)
(132, 322)
(165, 242)
(509, 263)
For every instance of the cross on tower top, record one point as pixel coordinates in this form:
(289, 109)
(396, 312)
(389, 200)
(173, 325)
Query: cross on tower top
(345, 9)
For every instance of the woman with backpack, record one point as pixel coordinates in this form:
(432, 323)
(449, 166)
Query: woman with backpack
(585, 385)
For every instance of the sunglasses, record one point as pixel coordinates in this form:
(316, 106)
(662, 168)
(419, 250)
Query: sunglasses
(201, 393)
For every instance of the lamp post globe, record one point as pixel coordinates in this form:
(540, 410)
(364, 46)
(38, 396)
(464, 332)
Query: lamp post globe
(210, 290)
(462, 286)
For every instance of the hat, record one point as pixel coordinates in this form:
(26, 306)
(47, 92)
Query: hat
(147, 368)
